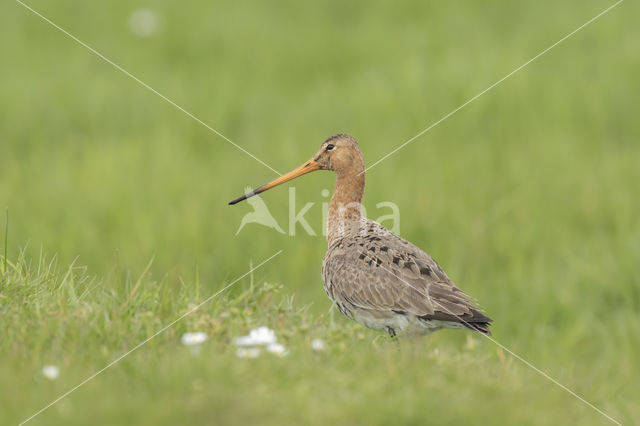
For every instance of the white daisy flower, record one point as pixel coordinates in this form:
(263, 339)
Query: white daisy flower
(277, 349)
(51, 372)
(261, 336)
(192, 339)
(318, 345)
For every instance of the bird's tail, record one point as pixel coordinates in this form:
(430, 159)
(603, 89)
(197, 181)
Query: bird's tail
(479, 322)
(481, 327)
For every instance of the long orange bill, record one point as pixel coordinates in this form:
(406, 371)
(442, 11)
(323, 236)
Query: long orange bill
(307, 167)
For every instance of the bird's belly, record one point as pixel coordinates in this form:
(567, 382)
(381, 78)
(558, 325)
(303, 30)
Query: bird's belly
(407, 325)
(398, 323)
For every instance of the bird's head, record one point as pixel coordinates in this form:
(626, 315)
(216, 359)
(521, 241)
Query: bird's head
(340, 153)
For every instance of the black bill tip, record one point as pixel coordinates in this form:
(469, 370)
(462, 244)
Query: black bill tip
(241, 198)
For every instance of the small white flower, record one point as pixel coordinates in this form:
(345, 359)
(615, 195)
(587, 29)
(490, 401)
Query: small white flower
(259, 336)
(318, 345)
(248, 352)
(143, 22)
(192, 339)
(277, 349)
(51, 372)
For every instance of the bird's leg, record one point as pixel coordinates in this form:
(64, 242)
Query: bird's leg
(392, 333)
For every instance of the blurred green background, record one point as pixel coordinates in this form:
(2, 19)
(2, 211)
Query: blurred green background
(528, 197)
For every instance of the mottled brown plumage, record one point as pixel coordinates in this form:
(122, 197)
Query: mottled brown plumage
(373, 276)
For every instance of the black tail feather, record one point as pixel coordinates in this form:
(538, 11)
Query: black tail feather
(481, 327)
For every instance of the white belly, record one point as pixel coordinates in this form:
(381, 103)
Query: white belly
(408, 325)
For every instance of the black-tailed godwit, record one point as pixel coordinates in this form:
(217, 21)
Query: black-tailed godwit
(373, 276)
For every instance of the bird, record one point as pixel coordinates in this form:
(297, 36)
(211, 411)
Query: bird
(373, 276)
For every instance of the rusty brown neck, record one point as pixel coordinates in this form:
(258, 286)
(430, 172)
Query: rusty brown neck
(345, 208)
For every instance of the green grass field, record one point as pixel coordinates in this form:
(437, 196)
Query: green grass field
(119, 224)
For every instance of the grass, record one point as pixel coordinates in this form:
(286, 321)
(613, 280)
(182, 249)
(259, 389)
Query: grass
(79, 323)
(527, 198)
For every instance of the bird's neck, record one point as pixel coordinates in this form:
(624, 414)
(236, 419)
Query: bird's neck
(345, 208)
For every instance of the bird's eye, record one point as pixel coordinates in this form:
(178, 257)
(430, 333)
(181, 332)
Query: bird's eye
(330, 147)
